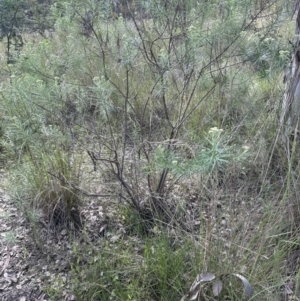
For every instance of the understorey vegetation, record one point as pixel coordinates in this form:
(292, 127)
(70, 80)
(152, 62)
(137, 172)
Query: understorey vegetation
(162, 117)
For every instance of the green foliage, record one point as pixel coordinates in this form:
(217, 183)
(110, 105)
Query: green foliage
(18, 17)
(145, 87)
(266, 53)
(108, 275)
(166, 97)
(166, 266)
(136, 224)
(12, 14)
(158, 273)
(46, 187)
(212, 155)
(10, 238)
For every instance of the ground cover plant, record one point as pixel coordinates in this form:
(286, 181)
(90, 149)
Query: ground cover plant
(164, 116)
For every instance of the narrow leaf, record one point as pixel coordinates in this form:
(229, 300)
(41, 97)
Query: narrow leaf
(217, 287)
(193, 295)
(195, 287)
(247, 286)
(207, 277)
(184, 297)
(196, 282)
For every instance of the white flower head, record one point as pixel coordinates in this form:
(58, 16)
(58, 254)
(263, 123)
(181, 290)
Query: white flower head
(215, 132)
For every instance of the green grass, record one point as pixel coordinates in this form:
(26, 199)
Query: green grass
(178, 121)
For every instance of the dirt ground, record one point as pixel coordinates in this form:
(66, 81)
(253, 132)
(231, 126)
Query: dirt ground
(27, 267)
(20, 275)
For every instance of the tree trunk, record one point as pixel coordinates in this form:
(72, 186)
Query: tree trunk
(289, 118)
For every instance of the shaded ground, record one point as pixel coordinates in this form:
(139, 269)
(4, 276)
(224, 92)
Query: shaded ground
(26, 268)
(20, 265)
